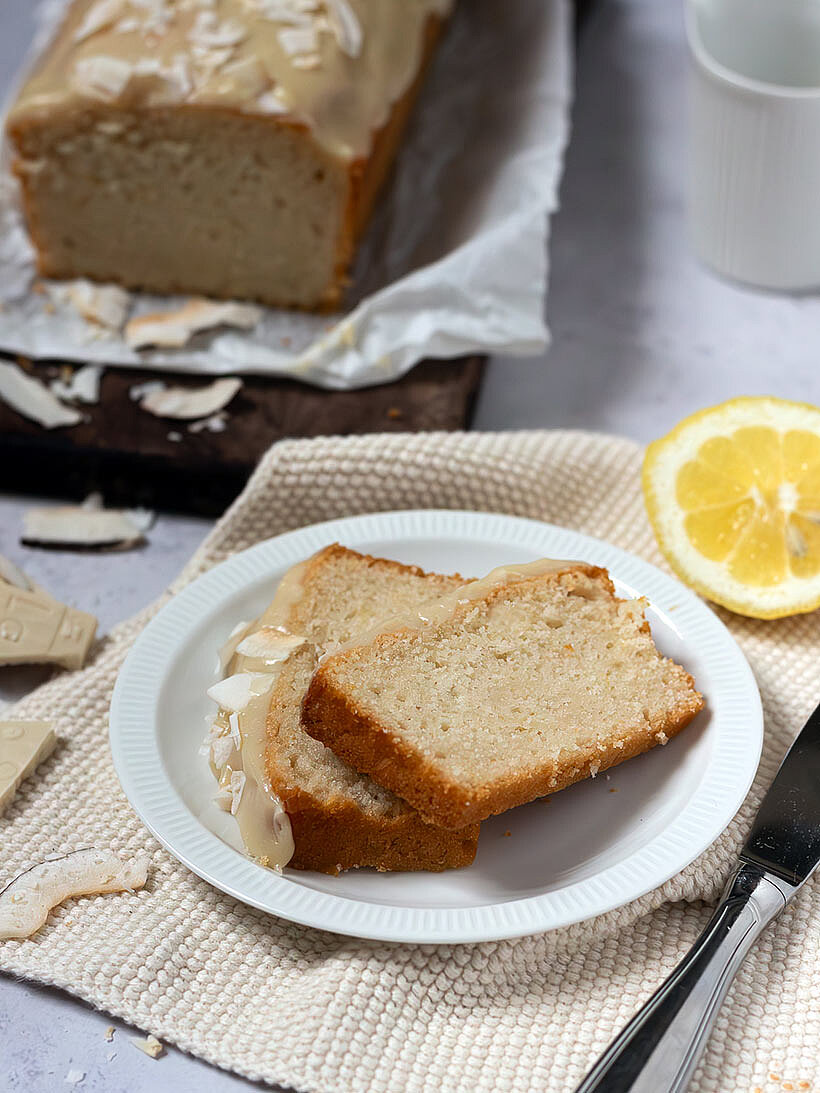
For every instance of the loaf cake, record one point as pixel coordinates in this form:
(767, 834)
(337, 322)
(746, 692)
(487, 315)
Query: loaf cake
(338, 819)
(508, 689)
(230, 148)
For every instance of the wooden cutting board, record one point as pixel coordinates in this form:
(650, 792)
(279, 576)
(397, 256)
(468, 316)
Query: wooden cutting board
(127, 454)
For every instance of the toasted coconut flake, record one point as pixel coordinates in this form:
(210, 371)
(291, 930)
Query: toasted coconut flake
(105, 305)
(173, 329)
(25, 903)
(270, 644)
(101, 77)
(32, 399)
(306, 61)
(99, 17)
(297, 40)
(272, 102)
(84, 385)
(187, 403)
(345, 26)
(149, 1046)
(86, 526)
(208, 33)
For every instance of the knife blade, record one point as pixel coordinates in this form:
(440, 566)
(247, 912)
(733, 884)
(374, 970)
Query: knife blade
(659, 1049)
(785, 836)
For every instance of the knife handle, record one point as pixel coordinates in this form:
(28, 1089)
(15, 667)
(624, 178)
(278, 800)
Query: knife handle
(659, 1049)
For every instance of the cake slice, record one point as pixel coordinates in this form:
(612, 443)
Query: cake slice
(510, 688)
(339, 818)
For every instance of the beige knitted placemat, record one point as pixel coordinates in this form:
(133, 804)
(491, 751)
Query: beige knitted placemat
(325, 1013)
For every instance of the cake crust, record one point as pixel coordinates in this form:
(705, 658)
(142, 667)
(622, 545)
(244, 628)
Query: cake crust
(371, 743)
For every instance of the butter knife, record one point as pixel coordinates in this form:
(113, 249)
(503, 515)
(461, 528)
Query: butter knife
(659, 1049)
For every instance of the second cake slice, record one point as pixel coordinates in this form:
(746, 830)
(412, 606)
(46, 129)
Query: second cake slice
(509, 688)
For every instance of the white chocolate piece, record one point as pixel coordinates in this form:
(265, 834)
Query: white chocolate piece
(176, 328)
(23, 746)
(25, 903)
(149, 1046)
(36, 629)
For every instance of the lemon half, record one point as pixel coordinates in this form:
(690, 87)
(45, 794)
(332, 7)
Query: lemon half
(733, 494)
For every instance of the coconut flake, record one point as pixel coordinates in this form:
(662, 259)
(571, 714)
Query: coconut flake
(173, 329)
(192, 402)
(25, 902)
(105, 305)
(223, 798)
(237, 788)
(228, 648)
(99, 17)
(101, 77)
(270, 644)
(84, 385)
(149, 1046)
(221, 750)
(306, 60)
(208, 33)
(216, 423)
(272, 102)
(32, 399)
(84, 526)
(345, 26)
(298, 40)
(233, 693)
(138, 391)
(74, 1077)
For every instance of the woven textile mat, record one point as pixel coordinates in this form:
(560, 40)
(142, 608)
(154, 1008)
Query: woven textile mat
(320, 1012)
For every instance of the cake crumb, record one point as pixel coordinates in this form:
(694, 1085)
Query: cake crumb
(149, 1046)
(613, 790)
(507, 834)
(395, 414)
(109, 1033)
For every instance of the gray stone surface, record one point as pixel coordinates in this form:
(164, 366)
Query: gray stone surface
(642, 335)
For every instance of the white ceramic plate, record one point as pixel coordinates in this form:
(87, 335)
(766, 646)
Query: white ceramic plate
(583, 852)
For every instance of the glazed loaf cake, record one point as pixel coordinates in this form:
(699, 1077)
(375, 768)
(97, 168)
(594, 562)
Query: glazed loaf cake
(508, 689)
(229, 148)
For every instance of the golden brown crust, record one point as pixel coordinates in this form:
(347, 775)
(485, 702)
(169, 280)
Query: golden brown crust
(358, 737)
(331, 837)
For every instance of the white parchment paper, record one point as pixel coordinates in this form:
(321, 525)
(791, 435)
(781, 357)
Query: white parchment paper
(455, 260)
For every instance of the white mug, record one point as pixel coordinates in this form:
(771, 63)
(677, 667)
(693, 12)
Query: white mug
(755, 139)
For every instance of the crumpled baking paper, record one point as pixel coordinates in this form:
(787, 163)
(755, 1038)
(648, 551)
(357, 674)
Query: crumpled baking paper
(455, 260)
